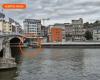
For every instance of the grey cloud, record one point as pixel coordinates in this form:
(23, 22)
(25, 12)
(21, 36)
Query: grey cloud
(89, 3)
(56, 9)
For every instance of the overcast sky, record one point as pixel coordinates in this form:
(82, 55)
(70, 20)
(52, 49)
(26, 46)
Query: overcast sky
(59, 11)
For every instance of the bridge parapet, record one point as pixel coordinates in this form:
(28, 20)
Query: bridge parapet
(11, 35)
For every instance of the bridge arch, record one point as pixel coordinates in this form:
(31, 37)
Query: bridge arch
(15, 48)
(1, 53)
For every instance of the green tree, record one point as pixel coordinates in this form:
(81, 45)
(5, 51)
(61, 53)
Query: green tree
(96, 23)
(86, 25)
(88, 35)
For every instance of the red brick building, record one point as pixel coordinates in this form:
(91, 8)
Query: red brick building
(56, 34)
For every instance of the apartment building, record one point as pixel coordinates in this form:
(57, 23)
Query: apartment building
(56, 35)
(32, 26)
(78, 30)
(7, 28)
(68, 31)
(96, 33)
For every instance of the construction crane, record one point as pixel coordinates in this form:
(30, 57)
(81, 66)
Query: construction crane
(44, 19)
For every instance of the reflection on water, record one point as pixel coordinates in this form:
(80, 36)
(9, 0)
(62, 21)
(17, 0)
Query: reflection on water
(57, 64)
(8, 75)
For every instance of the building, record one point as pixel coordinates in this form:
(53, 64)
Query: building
(62, 26)
(33, 31)
(68, 31)
(2, 16)
(96, 34)
(16, 28)
(59, 25)
(56, 35)
(2, 26)
(43, 31)
(7, 27)
(32, 26)
(78, 30)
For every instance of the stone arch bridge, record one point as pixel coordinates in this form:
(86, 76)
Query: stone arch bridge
(9, 50)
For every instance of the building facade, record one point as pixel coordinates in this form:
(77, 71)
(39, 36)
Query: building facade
(68, 31)
(96, 34)
(32, 26)
(43, 31)
(56, 35)
(7, 27)
(78, 30)
(2, 26)
(62, 26)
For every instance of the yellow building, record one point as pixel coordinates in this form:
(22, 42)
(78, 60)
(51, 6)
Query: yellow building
(1, 25)
(7, 27)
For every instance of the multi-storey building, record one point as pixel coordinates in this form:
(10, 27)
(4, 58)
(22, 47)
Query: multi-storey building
(61, 26)
(7, 28)
(43, 31)
(2, 16)
(96, 33)
(68, 31)
(16, 28)
(55, 35)
(32, 26)
(78, 30)
(1, 26)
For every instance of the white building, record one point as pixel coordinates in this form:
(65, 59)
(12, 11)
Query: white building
(78, 30)
(96, 34)
(32, 26)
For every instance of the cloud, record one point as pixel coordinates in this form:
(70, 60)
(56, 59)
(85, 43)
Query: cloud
(58, 10)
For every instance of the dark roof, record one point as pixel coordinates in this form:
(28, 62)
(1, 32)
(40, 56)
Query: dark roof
(32, 20)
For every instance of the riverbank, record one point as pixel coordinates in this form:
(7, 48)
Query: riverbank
(68, 45)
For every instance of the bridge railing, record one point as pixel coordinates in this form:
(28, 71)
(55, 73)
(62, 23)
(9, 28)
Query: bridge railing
(9, 33)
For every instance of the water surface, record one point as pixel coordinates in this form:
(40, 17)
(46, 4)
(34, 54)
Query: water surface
(57, 64)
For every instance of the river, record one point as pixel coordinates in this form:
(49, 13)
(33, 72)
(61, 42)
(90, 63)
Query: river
(56, 64)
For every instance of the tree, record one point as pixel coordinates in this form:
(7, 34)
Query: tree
(96, 23)
(86, 25)
(88, 35)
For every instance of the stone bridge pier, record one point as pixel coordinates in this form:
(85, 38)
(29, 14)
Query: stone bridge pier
(10, 52)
